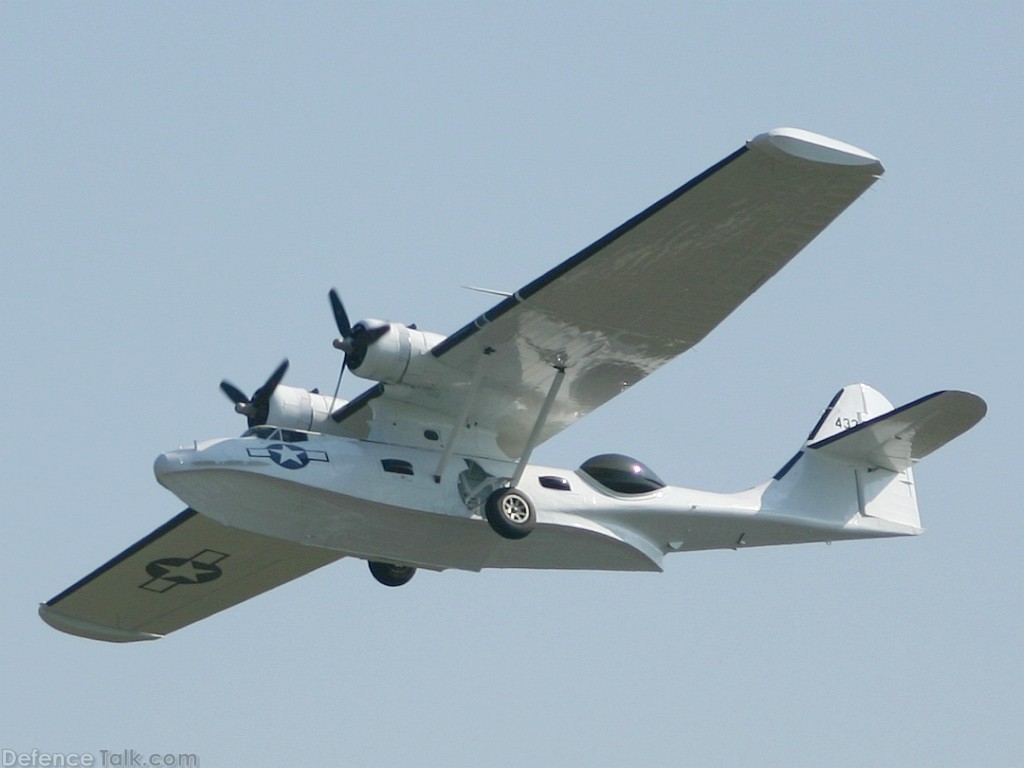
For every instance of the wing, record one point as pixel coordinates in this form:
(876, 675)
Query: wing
(188, 569)
(620, 309)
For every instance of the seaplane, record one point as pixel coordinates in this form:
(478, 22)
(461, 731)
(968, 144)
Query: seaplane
(429, 468)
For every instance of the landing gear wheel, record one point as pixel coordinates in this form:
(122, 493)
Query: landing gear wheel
(510, 513)
(391, 575)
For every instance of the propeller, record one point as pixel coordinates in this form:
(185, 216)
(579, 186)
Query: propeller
(353, 340)
(257, 408)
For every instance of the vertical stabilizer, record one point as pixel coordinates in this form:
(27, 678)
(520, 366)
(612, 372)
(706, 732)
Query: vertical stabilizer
(852, 405)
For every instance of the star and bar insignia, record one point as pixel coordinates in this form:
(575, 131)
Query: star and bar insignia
(170, 572)
(288, 456)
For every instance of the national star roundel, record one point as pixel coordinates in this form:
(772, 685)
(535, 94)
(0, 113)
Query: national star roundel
(287, 455)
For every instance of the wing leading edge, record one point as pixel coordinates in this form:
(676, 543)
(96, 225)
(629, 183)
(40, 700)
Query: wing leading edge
(189, 568)
(632, 301)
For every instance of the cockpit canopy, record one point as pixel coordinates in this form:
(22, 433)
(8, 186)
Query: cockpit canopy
(621, 474)
(267, 432)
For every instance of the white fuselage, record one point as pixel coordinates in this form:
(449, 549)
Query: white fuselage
(381, 502)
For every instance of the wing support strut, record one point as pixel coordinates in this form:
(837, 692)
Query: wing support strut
(538, 426)
(463, 418)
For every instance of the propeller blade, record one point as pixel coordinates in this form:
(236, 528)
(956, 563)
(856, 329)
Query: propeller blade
(236, 395)
(256, 408)
(276, 377)
(370, 335)
(262, 395)
(354, 340)
(340, 315)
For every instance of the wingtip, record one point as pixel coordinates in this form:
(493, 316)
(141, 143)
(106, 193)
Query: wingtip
(806, 145)
(91, 630)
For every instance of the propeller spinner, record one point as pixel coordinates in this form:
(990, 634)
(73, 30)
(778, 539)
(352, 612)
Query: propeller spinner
(257, 408)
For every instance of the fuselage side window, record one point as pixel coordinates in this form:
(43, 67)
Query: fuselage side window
(397, 466)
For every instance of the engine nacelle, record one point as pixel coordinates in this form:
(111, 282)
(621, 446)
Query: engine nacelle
(400, 356)
(297, 408)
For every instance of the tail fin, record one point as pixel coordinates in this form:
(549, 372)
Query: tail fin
(857, 461)
(851, 406)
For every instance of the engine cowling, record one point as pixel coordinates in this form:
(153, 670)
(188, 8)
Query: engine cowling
(400, 356)
(297, 408)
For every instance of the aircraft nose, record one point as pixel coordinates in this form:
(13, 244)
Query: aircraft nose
(168, 463)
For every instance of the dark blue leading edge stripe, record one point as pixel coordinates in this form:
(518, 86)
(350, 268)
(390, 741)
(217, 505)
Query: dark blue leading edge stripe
(354, 405)
(531, 288)
(164, 529)
(825, 413)
(870, 422)
(788, 466)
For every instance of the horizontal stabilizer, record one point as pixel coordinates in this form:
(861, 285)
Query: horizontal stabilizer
(898, 439)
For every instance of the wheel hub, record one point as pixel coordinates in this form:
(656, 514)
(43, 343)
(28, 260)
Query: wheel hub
(515, 509)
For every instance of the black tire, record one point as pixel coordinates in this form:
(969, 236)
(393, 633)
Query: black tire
(510, 513)
(391, 575)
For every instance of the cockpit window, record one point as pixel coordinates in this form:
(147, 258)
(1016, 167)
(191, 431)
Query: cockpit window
(273, 433)
(621, 474)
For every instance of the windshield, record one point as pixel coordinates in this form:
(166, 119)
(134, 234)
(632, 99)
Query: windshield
(274, 433)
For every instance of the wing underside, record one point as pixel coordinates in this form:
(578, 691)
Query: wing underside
(633, 300)
(186, 570)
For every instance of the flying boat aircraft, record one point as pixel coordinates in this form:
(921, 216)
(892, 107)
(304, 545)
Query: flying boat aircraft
(430, 467)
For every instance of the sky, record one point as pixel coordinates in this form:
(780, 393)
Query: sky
(183, 183)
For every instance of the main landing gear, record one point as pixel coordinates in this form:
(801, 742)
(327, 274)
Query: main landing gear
(510, 513)
(391, 575)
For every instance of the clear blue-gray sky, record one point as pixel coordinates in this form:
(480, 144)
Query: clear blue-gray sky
(183, 182)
